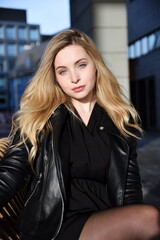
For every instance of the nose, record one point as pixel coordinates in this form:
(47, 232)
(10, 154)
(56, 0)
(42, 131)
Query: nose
(75, 78)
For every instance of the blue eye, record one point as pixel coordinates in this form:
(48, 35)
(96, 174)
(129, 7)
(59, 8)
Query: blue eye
(62, 72)
(82, 65)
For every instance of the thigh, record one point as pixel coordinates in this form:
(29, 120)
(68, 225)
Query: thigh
(122, 223)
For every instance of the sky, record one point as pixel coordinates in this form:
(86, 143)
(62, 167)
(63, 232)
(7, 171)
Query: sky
(52, 15)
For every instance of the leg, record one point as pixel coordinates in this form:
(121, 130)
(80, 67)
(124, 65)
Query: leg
(136, 222)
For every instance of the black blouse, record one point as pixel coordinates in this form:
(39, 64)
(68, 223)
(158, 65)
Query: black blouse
(89, 149)
(89, 157)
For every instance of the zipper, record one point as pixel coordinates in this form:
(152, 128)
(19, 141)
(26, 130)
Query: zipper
(40, 176)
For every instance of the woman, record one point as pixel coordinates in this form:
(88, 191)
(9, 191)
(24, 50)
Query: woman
(79, 137)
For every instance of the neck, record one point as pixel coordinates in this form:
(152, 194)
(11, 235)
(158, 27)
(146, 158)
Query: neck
(84, 107)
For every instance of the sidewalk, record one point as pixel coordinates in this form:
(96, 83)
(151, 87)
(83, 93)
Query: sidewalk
(149, 163)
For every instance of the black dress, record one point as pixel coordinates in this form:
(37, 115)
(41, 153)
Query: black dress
(90, 153)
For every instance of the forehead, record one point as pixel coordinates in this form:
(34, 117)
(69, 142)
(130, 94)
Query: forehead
(71, 53)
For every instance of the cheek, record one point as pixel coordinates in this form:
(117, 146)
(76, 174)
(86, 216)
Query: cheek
(63, 85)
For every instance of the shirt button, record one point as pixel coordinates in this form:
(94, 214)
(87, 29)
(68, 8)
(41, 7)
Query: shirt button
(101, 128)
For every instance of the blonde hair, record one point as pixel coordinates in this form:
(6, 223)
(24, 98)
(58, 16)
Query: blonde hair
(43, 94)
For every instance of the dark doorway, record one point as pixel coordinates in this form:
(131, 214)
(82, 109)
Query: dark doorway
(143, 98)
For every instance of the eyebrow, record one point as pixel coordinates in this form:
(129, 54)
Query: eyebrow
(81, 59)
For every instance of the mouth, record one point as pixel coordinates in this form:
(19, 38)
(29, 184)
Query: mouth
(78, 89)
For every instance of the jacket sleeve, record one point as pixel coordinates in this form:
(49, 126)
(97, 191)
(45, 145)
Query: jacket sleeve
(133, 189)
(14, 170)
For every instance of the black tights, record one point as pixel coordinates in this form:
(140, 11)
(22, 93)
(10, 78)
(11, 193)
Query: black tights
(134, 222)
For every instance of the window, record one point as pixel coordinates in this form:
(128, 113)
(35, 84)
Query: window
(132, 51)
(33, 34)
(158, 39)
(2, 49)
(2, 66)
(21, 48)
(1, 32)
(144, 45)
(2, 82)
(10, 32)
(11, 65)
(2, 99)
(28, 61)
(151, 42)
(12, 50)
(137, 48)
(22, 33)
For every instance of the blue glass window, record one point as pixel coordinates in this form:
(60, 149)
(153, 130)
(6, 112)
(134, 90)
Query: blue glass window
(2, 66)
(2, 82)
(132, 51)
(21, 48)
(1, 32)
(2, 50)
(11, 64)
(12, 50)
(151, 42)
(158, 39)
(22, 33)
(138, 48)
(144, 45)
(10, 32)
(33, 34)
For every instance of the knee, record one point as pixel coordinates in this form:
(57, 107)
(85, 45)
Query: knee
(151, 217)
(151, 213)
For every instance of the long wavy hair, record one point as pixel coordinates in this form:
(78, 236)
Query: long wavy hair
(43, 95)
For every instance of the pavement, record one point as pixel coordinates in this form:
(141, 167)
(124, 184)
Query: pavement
(149, 162)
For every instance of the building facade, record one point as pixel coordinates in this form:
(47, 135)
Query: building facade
(115, 24)
(105, 21)
(15, 36)
(25, 66)
(144, 59)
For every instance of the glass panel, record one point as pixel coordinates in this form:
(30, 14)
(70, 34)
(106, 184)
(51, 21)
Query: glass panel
(144, 45)
(33, 34)
(2, 51)
(151, 42)
(22, 33)
(11, 50)
(21, 48)
(138, 48)
(2, 82)
(132, 51)
(11, 64)
(158, 39)
(10, 32)
(1, 32)
(2, 99)
(2, 65)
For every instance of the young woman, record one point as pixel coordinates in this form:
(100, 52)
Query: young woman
(75, 137)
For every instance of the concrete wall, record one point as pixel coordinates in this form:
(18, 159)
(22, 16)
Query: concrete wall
(110, 35)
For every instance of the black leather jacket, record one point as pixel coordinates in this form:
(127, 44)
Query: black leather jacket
(44, 208)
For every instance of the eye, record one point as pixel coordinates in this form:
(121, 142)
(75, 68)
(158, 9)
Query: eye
(82, 65)
(62, 72)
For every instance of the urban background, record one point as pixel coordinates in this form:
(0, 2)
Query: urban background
(127, 33)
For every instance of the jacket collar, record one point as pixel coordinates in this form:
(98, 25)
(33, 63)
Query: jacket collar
(58, 120)
(108, 124)
(60, 114)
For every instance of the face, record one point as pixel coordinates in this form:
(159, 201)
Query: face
(76, 73)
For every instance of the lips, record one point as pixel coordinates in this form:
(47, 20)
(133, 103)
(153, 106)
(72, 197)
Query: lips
(79, 88)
